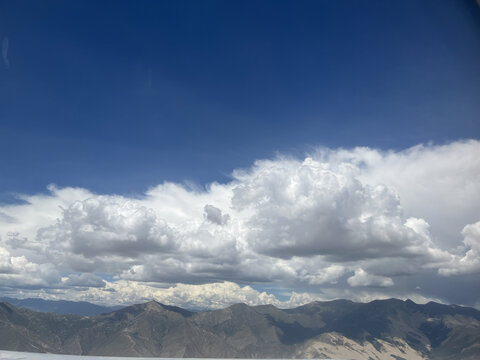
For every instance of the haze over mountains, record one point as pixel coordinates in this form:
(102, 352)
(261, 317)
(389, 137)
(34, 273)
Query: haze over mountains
(381, 329)
(61, 306)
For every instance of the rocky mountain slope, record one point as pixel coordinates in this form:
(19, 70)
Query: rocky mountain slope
(382, 329)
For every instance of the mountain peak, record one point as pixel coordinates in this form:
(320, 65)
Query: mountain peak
(239, 306)
(5, 305)
(376, 329)
(153, 304)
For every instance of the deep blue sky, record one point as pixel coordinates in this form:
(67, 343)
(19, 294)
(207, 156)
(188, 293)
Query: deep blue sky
(119, 96)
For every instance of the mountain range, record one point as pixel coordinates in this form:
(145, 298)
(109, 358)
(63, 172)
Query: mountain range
(381, 329)
(61, 306)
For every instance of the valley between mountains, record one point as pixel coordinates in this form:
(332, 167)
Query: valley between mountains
(381, 329)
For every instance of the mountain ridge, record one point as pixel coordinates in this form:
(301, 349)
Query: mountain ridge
(61, 306)
(381, 329)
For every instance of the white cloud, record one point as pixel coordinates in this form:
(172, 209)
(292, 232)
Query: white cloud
(437, 183)
(215, 295)
(330, 275)
(100, 230)
(313, 208)
(362, 278)
(290, 222)
(205, 296)
(18, 272)
(470, 262)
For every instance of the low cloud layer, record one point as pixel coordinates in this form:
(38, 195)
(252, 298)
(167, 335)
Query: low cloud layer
(338, 223)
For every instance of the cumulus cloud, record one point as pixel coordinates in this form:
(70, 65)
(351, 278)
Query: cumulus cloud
(362, 278)
(311, 208)
(19, 272)
(214, 215)
(435, 183)
(296, 223)
(206, 296)
(212, 296)
(100, 230)
(331, 274)
(470, 262)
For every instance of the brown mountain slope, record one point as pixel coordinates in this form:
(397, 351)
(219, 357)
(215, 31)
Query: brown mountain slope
(386, 329)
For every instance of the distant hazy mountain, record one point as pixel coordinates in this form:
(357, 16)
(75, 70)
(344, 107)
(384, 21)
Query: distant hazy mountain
(61, 306)
(383, 329)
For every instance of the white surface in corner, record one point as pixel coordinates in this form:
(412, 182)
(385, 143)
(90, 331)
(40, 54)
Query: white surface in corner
(14, 355)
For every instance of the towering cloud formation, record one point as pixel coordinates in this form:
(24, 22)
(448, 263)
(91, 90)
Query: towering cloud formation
(336, 220)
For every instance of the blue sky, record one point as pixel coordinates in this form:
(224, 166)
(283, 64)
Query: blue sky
(132, 110)
(118, 97)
